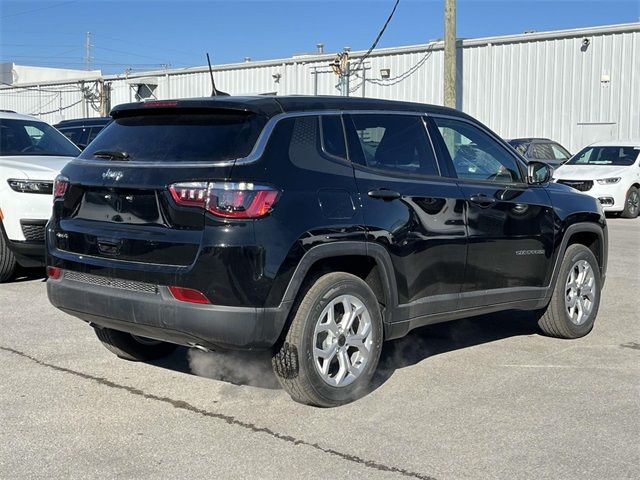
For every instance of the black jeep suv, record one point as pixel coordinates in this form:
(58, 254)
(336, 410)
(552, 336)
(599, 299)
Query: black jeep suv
(317, 227)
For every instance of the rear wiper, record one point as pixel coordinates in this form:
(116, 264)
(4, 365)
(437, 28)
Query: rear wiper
(111, 155)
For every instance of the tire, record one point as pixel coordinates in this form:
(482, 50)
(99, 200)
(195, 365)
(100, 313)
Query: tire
(130, 347)
(7, 261)
(296, 364)
(556, 320)
(631, 204)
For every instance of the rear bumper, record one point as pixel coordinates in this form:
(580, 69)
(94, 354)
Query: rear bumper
(158, 315)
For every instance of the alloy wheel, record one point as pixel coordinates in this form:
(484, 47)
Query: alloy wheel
(342, 341)
(580, 292)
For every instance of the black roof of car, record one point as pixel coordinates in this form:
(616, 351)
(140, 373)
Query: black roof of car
(83, 122)
(273, 105)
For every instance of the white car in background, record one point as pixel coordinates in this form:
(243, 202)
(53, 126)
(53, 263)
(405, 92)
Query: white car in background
(32, 153)
(608, 171)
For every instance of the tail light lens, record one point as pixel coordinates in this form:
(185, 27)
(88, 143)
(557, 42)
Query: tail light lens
(228, 200)
(60, 185)
(188, 295)
(54, 273)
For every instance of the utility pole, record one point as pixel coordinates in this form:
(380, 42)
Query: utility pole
(87, 51)
(450, 53)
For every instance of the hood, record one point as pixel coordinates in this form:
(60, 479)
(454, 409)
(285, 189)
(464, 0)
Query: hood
(588, 172)
(36, 167)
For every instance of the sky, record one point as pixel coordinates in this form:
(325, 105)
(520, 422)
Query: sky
(150, 34)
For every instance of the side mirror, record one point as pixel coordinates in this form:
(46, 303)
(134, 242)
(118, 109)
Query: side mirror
(538, 173)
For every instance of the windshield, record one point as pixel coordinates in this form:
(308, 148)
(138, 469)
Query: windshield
(201, 137)
(617, 156)
(31, 137)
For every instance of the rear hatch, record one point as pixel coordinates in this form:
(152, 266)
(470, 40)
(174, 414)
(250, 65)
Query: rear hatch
(118, 204)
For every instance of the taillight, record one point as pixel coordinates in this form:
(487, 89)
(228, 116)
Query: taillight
(60, 185)
(54, 273)
(188, 295)
(225, 199)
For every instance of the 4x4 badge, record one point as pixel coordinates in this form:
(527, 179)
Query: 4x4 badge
(112, 174)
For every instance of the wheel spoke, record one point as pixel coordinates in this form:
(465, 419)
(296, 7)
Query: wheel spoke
(345, 366)
(326, 353)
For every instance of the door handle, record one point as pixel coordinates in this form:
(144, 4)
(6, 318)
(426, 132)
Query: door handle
(482, 199)
(384, 194)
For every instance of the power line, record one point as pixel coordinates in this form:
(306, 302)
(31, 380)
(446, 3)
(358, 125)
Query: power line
(58, 109)
(375, 42)
(38, 9)
(129, 53)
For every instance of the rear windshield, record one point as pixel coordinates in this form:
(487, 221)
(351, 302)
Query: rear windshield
(617, 156)
(175, 138)
(31, 137)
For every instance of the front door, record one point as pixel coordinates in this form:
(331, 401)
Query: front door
(510, 223)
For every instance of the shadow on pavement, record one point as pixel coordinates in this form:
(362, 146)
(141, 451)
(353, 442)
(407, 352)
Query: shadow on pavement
(425, 342)
(23, 274)
(254, 368)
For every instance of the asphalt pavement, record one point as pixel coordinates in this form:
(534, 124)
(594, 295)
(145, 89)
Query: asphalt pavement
(480, 398)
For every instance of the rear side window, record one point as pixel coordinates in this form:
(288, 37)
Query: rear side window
(475, 154)
(180, 137)
(395, 143)
(333, 136)
(541, 151)
(77, 135)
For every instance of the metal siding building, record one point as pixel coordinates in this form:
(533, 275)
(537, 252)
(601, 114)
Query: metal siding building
(546, 84)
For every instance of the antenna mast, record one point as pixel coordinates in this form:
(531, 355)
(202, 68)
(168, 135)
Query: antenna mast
(214, 91)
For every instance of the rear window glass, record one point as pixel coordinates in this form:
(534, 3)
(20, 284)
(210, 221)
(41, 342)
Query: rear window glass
(31, 137)
(170, 138)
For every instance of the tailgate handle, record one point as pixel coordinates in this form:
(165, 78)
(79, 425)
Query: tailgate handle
(110, 247)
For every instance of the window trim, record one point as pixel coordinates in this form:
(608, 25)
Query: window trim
(520, 163)
(394, 173)
(322, 145)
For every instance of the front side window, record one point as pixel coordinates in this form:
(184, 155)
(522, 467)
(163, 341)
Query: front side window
(559, 153)
(616, 156)
(475, 154)
(31, 137)
(395, 143)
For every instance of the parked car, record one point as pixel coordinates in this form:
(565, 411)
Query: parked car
(82, 131)
(541, 150)
(32, 153)
(316, 227)
(608, 171)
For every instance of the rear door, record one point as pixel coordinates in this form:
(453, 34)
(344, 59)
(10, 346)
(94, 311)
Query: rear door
(510, 224)
(409, 209)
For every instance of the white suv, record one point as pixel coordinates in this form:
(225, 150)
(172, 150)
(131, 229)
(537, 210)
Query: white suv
(32, 153)
(608, 171)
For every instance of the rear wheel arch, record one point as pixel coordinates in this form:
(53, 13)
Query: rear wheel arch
(369, 262)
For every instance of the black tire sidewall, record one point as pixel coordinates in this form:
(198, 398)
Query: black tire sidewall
(340, 395)
(574, 254)
(626, 213)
